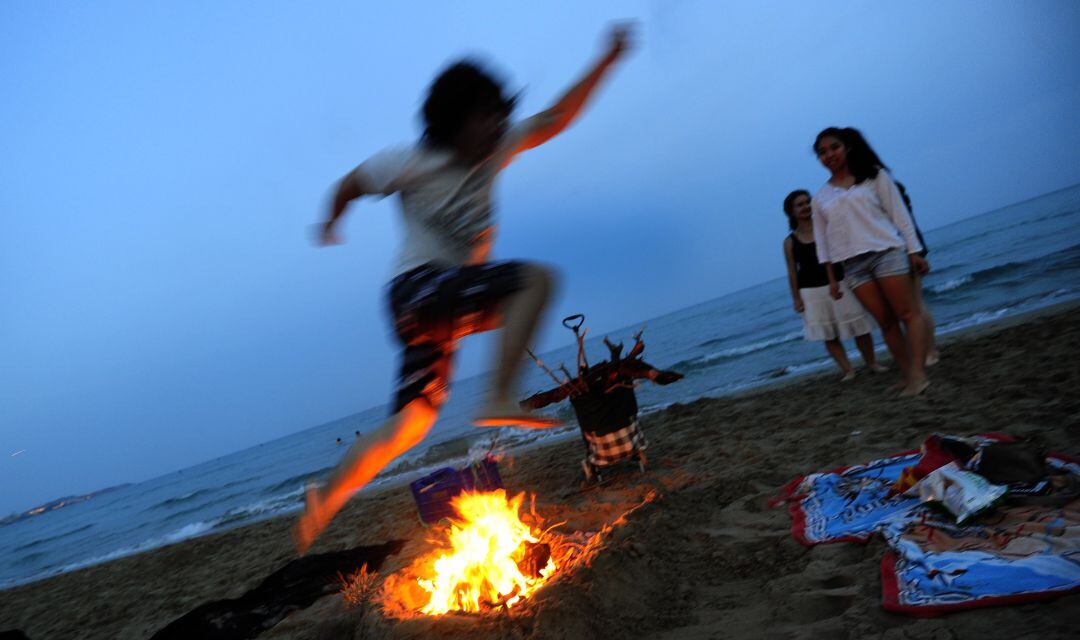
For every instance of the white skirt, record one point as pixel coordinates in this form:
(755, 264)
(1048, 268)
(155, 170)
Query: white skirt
(828, 319)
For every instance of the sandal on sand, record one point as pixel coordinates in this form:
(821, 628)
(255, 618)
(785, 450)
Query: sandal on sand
(311, 522)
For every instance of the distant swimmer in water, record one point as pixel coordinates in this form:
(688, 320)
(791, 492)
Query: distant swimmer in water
(339, 441)
(357, 433)
(445, 285)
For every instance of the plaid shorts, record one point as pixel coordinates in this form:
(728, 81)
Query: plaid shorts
(432, 308)
(615, 446)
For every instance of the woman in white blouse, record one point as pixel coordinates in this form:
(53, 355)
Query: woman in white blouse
(860, 221)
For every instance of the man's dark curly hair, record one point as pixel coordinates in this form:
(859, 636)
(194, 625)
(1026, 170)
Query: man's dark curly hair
(460, 91)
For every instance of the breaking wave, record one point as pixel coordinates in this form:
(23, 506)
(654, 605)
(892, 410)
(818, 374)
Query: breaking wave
(183, 533)
(949, 285)
(283, 503)
(187, 497)
(299, 479)
(1030, 303)
(1064, 260)
(735, 336)
(61, 536)
(709, 360)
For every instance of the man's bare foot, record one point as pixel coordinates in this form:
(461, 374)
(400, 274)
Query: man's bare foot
(876, 368)
(849, 376)
(311, 522)
(933, 358)
(504, 414)
(915, 388)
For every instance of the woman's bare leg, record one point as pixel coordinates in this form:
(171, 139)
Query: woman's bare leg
(932, 354)
(836, 350)
(873, 299)
(897, 292)
(865, 344)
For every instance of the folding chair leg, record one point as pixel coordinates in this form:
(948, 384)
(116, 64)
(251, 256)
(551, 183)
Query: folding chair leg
(592, 474)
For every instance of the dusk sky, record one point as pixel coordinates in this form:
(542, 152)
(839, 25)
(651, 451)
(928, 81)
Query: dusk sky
(162, 164)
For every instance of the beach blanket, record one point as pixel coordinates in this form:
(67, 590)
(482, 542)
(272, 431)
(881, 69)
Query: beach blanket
(849, 504)
(1011, 554)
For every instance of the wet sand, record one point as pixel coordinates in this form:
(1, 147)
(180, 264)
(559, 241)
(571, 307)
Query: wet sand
(705, 558)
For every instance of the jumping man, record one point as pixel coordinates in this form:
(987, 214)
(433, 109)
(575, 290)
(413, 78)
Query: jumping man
(444, 286)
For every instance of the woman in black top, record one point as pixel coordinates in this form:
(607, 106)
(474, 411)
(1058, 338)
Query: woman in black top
(824, 319)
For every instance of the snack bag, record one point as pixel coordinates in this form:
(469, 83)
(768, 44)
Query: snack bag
(937, 451)
(963, 493)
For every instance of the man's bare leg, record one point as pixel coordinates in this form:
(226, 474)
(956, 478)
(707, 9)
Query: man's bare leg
(367, 456)
(521, 315)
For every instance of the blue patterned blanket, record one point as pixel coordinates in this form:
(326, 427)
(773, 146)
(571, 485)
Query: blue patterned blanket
(1007, 555)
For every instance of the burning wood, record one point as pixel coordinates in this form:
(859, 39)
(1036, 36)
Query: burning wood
(534, 558)
(493, 560)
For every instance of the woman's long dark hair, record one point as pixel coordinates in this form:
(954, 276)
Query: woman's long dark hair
(789, 203)
(862, 161)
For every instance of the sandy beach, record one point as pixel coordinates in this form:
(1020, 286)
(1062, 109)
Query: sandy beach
(703, 556)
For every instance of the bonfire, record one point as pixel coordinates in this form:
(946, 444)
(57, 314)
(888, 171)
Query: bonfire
(491, 557)
(494, 558)
(487, 558)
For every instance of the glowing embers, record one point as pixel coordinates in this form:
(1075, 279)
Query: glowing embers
(492, 559)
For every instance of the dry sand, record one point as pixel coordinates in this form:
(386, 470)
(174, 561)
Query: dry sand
(707, 558)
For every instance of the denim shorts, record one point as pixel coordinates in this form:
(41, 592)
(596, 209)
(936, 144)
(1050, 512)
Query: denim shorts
(876, 264)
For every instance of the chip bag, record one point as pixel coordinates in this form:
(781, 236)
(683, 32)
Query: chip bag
(963, 493)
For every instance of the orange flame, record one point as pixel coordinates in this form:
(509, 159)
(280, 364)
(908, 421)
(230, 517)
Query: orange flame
(482, 568)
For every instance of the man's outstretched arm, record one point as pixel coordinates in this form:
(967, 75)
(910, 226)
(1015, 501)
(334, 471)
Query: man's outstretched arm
(554, 120)
(347, 191)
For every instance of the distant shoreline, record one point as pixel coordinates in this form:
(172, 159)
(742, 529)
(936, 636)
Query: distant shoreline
(59, 503)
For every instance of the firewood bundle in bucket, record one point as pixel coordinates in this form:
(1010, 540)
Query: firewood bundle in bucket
(603, 399)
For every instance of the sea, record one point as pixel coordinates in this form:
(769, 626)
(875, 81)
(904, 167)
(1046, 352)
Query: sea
(991, 266)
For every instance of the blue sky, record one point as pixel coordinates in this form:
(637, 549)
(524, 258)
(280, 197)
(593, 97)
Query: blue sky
(162, 163)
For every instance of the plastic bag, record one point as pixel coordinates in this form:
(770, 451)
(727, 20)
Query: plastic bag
(963, 493)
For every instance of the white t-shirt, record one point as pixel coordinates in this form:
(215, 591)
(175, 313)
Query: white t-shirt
(447, 206)
(869, 216)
